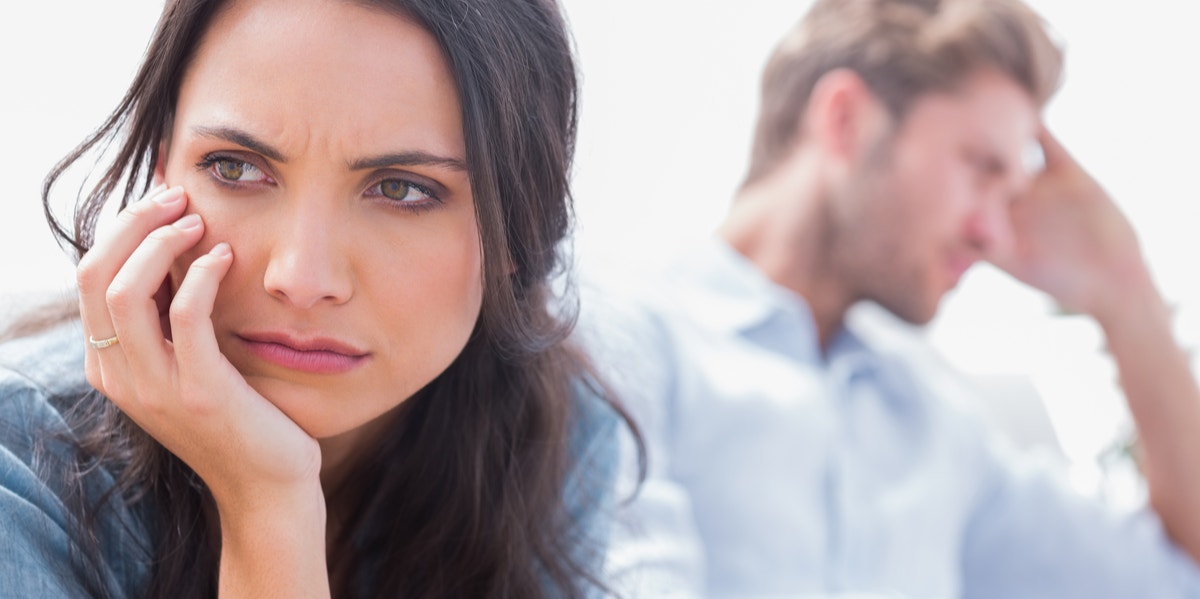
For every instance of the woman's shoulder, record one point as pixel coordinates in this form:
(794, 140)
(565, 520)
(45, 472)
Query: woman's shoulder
(36, 372)
(593, 447)
(592, 439)
(43, 483)
(593, 414)
(50, 361)
(588, 494)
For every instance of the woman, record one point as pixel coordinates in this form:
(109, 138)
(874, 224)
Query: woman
(322, 347)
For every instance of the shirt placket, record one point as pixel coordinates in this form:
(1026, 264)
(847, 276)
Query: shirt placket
(853, 530)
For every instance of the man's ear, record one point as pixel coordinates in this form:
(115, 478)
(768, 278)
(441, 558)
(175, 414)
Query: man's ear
(844, 117)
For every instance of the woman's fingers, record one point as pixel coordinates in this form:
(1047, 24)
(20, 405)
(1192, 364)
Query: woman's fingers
(100, 265)
(191, 310)
(131, 300)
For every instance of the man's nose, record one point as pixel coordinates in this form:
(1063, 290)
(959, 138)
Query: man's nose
(309, 262)
(989, 227)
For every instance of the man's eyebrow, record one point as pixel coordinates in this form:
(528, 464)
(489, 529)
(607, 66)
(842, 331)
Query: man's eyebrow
(241, 138)
(997, 165)
(414, 158)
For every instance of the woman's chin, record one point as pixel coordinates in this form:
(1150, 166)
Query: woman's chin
(322, 413)
(317, 412)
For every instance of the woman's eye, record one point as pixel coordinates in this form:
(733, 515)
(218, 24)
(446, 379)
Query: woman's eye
(237, 170)
(401, 191)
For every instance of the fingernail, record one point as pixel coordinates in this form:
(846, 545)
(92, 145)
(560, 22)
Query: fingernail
(220, 250)
(170, 197)
(190, 221)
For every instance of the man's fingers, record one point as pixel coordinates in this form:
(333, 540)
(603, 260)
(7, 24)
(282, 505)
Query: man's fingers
(1054, 153)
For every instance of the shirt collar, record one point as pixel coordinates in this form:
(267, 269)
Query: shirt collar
(729, 294)
(720, 287)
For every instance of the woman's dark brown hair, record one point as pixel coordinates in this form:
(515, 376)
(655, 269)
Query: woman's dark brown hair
(464, 495)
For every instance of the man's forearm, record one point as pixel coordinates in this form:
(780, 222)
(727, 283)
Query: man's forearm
(1165, 403)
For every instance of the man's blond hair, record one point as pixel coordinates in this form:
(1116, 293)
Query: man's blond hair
(901, 49)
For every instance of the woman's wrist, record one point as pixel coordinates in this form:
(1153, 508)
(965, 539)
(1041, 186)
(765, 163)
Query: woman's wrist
(275, 546)
(298, 507)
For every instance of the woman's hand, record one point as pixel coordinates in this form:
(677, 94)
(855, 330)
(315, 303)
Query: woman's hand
(169, 376)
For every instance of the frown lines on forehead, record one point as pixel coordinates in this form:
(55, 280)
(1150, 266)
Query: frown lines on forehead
(402, 158)
(241, 138)
(411, 158)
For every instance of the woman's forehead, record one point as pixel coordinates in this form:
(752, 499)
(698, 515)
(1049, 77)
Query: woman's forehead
(313, 75)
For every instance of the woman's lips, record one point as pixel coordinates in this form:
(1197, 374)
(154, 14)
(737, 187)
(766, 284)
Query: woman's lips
(317, 356)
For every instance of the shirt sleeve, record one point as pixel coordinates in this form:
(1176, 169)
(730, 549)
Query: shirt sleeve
(588, 494)
(39, 557)
(654, 546)
(1032, 537)
(34, 547)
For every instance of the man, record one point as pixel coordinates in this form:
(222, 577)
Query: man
(788, 456)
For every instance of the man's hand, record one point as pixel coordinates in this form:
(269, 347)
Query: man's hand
(1071, 240)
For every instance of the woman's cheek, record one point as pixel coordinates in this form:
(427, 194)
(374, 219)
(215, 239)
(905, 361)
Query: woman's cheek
(216, 230)
(180, 267)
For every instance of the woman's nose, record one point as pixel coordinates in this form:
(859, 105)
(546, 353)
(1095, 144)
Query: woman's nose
(309, 263)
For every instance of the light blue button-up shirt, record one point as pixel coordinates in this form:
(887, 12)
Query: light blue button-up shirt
(776, 471)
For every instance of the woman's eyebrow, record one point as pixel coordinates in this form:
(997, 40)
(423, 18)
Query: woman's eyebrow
(413, 158)
(241, 138)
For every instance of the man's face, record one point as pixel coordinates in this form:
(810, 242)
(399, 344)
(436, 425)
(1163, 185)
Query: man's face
(933, 196)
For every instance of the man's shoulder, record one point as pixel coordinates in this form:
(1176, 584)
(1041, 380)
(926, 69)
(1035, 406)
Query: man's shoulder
(665, 309)
(623, 325)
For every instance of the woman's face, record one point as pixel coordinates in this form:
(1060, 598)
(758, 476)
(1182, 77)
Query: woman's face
(324, 142)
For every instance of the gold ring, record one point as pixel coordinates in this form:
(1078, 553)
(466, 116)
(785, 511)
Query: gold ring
(102, 343)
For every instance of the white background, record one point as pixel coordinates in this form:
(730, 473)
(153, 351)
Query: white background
(669, 96)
